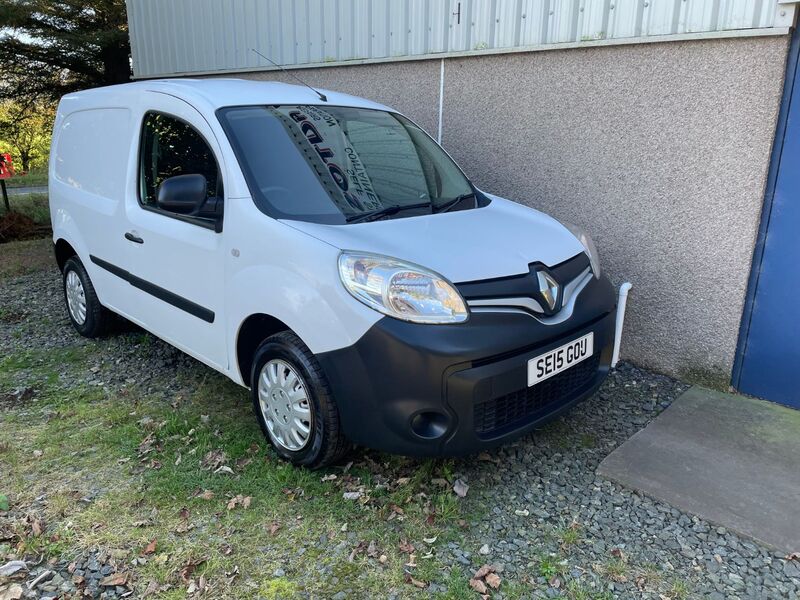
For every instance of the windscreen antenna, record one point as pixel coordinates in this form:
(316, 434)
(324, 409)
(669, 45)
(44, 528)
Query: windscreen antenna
(322, 96)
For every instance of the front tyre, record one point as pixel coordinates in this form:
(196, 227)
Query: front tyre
(294, 404)
(88, 316)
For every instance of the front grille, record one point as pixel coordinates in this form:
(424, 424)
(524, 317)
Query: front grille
(524, 406)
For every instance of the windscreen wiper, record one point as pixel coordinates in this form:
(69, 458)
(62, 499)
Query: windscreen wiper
(451, 203)
(385, 211)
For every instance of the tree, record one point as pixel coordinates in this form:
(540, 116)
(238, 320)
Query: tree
(51, 47)
(25, 131)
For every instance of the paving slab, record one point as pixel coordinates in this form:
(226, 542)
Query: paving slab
(732, 460)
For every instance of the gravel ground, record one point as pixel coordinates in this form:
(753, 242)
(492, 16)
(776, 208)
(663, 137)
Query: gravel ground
(546, 517)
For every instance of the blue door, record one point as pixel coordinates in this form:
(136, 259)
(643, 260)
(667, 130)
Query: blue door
(768, 361)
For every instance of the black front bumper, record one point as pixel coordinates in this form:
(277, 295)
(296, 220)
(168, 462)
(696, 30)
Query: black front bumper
(444, 390)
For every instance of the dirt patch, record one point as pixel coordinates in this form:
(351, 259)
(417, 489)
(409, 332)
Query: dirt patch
(16, 398)
(16, 226)
(24, 257)
(12, 317)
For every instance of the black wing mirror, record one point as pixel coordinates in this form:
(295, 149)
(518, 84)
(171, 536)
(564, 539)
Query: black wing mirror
(183, 194)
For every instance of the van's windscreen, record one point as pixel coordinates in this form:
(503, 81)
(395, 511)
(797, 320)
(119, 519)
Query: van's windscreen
(333, 164)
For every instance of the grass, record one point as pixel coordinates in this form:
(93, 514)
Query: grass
(149, 457)
(35, 206)
(34, 177)
(616, 569)
(568, 535)
(679, 591)
(550, 566)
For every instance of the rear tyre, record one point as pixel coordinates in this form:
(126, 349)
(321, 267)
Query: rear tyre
(88, 316)
(294, 404)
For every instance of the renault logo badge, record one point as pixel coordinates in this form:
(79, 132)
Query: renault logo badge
(548, 289)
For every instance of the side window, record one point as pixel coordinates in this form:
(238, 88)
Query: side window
(171, 147)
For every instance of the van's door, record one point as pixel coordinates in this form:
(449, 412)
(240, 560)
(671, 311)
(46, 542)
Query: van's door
(178, 269)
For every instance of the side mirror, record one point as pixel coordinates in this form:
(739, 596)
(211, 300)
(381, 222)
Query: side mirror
(182, 194)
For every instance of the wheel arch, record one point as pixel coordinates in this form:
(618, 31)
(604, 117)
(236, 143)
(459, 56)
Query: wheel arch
(64, 251)
(254, 330)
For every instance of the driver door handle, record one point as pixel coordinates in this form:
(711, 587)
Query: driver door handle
(132, 237)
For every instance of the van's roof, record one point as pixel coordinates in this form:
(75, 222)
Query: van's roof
(216, 93)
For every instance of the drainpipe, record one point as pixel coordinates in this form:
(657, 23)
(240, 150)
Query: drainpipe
(621, 302)
(441, 102)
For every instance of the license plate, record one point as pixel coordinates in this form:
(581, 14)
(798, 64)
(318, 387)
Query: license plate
(552, 363)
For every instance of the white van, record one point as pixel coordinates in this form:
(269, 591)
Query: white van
(325, 252)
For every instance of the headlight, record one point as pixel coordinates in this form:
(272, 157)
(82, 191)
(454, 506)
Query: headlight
(400, 289)
(588, 245)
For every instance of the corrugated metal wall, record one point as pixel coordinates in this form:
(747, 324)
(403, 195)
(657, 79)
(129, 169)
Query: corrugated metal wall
(184, 36)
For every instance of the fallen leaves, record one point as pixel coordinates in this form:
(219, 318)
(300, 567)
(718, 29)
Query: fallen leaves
(486, 457)
(214, 460)
(352, 495)
(189, 568)
(230, 576)
(478, 585)
(239, 500)
(493, 579)
(618, 553)
(14, 592)
(460, 488)
(274, 527)
(204, 494)
(396, 512)
(150, 548)
(8, 569)
(484, 578)
(184, 526)
(640, 582)
(415, 582)
(37, 526)
(147, 445)
(197, 586)
(142, 523)
(241, 463)
(117, 579)
(356, 551)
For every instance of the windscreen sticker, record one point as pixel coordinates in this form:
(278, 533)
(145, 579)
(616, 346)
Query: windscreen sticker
(325, 144)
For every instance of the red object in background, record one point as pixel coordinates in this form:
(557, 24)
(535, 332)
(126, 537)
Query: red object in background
(6, 166)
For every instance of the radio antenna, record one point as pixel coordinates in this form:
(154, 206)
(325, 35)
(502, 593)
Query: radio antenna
(322, 96)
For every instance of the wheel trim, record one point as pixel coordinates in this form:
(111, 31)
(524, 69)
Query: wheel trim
(285, 406)
(76, 298)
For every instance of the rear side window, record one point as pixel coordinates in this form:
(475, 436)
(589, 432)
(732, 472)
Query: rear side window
(172, 147)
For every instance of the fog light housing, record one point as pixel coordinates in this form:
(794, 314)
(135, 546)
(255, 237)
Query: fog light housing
(429, 425)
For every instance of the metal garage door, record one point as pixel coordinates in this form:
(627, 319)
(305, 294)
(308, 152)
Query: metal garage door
(768, 361)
